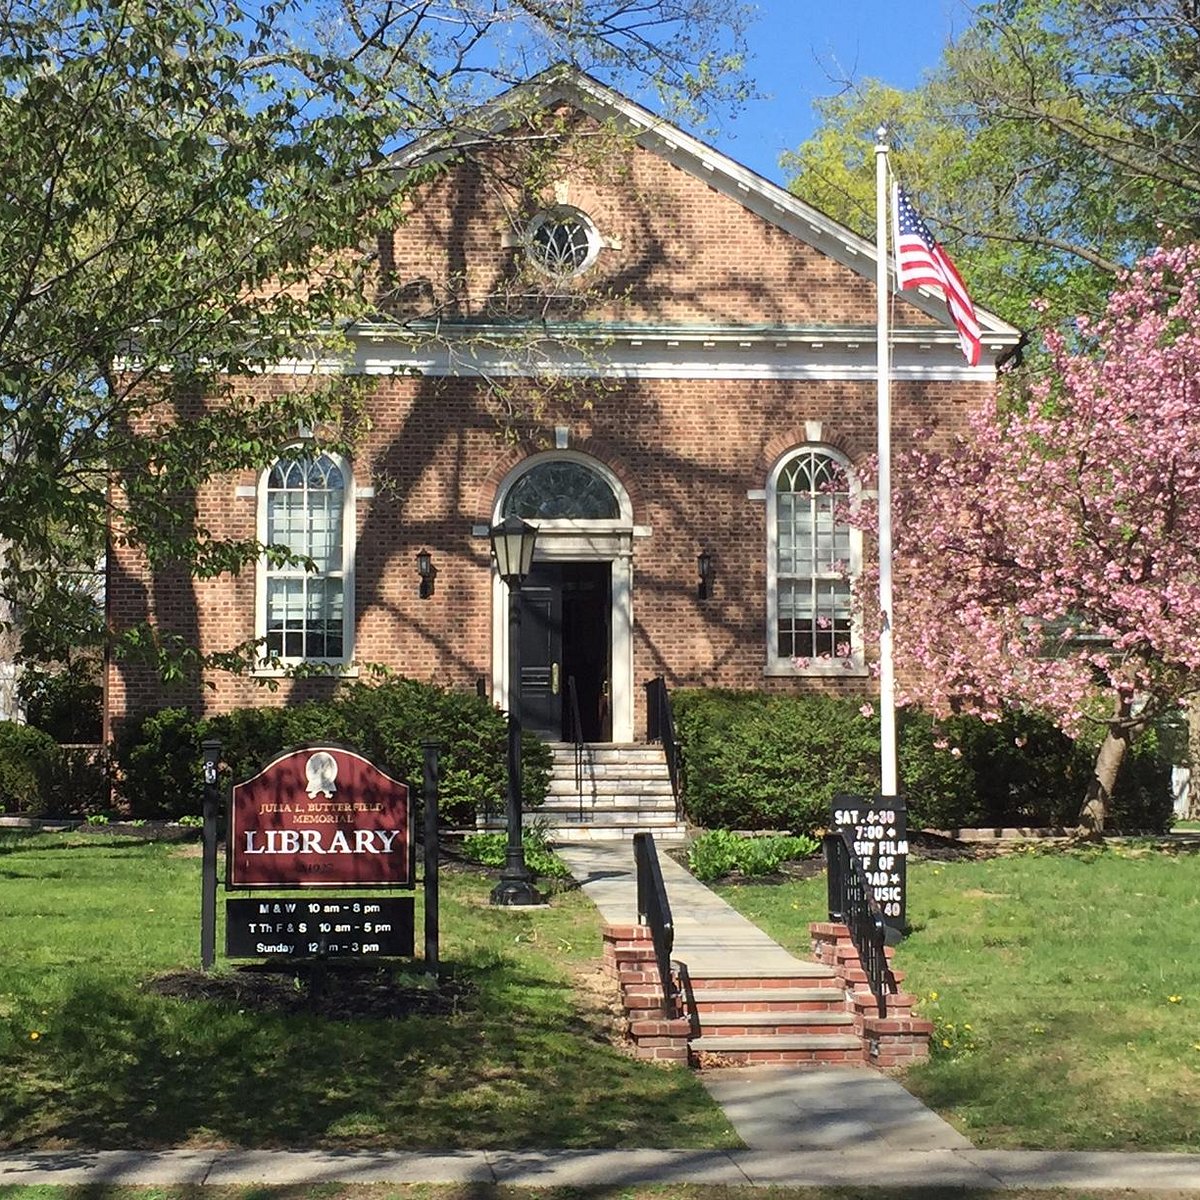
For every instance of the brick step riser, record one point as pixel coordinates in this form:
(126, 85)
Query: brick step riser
(795, 1026)
(814, 1058)
(707, 1010)
(743, 983)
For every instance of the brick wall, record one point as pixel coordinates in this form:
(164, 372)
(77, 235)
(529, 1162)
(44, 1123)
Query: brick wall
(687, 451)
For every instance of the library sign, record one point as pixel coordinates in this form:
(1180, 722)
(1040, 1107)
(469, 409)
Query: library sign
(323, 816)
(319, 816)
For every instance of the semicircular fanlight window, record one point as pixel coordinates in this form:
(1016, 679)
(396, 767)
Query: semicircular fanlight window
(563, 490)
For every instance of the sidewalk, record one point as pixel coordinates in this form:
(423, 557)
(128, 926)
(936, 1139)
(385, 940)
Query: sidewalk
(983, 1169)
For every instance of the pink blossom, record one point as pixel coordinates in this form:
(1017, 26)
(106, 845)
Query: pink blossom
(867, 710)
(1070, 508)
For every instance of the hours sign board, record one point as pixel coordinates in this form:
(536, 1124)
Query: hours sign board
(323, 816)
(878, 829)
(367, 927)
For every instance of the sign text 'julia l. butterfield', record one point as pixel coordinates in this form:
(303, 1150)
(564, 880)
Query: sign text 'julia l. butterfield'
(319, 817)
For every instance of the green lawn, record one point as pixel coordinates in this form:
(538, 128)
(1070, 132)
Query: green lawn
(92, 1056)
(1067, 987)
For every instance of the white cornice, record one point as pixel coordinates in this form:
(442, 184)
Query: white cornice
(837, 355)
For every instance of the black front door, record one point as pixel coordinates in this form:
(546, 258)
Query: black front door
(565, 619)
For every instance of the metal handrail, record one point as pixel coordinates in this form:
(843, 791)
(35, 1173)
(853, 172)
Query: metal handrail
(852, 902)
(660, 727)
(654, 910)
(575, 730)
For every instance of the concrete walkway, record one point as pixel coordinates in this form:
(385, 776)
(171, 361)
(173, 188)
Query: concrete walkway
(771, 1108)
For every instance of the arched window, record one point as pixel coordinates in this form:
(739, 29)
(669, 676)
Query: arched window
(813, 557)
(562, 489)
(303, 509)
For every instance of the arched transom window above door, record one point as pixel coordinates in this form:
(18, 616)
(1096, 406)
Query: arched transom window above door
(562, 489)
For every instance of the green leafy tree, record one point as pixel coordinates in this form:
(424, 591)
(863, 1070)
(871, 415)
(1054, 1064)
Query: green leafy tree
(191, 190)
(1056, 141)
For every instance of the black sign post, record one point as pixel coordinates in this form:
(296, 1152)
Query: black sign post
(430, 792)
(211, 756)
(878, 828)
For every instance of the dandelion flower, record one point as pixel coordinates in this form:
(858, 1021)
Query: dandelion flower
(34, 1035)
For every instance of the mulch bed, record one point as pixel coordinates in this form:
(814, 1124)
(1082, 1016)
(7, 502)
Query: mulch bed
(337, 992)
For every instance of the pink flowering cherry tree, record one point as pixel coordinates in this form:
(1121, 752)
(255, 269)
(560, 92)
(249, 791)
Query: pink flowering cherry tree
(1051, 559)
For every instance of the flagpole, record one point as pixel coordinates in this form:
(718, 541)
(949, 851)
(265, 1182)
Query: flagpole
(887, 675)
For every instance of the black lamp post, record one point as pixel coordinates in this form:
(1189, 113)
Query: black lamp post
(512, 549)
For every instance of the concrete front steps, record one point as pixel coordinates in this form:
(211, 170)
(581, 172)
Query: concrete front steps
(626, 788)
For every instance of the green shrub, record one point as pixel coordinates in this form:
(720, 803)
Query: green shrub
(491, 850)
(158, 756)
(157, 761)
(397, 716)
(64, 701)
(77, 782)
(755, 761)
(719, 852)
(27, 761)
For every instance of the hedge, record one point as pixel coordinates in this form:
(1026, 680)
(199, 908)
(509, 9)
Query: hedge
(760, 761)
(157, 756)
(40, 778)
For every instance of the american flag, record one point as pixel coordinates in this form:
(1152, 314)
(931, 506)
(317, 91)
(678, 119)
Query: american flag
(921, 262)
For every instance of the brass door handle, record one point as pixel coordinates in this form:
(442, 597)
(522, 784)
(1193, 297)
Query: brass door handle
(554, 679)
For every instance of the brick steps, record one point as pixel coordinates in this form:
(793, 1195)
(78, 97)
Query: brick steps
(772, 1014)
(799, 1013)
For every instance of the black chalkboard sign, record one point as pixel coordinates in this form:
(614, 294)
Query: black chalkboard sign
(878, 829)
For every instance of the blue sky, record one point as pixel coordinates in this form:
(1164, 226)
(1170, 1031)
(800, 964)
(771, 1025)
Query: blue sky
(802, 48)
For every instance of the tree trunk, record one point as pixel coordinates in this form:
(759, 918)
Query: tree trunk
(1097, 802)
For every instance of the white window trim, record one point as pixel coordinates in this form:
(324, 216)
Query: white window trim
(854, 665)
(284, 666)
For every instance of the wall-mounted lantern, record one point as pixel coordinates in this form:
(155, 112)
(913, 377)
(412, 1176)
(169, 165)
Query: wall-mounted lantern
(704, 564)
(427, 573)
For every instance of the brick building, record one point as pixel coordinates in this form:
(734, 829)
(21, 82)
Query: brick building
(648, 351)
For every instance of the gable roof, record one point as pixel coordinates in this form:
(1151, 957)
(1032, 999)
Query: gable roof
(767, 200)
